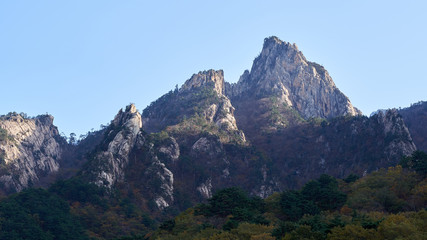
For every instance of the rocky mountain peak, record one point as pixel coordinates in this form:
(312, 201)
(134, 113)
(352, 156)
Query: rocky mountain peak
(282, 71)
(129, 118)
(131, 108)
(204, 78)
(274, 47)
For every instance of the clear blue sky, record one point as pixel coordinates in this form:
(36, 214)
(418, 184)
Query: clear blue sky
(82, 61)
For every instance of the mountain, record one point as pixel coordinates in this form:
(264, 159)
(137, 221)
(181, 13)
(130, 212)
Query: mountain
(415, 118)
(281, 125)
(192, 141)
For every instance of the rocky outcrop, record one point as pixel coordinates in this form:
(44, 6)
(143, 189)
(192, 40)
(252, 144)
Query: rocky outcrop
(31, 150)
(205, 189)
(210, 77)
(220, 112)
(282, 71)
(224, 116)
(124, 133)
(415, 118)
(161, 179)
(170, 149)
(125, 146)
(211, 147)
(396, 134)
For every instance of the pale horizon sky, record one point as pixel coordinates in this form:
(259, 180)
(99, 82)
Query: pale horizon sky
(81, 61)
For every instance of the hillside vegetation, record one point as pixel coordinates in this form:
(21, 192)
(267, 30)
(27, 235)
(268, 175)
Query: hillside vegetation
(386, 204)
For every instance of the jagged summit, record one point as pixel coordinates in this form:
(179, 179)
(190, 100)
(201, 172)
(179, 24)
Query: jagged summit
(204, 78)
(130, 118)
(274, 42)
(273, 38)
(131, 108)
(282, 71)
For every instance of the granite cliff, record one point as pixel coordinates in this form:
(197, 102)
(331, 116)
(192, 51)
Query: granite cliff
(123, 133)
(29, 150)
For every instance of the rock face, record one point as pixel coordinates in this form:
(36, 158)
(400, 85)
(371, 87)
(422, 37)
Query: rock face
(158, 173)
(31, 150)
(109, 165)
(281, 70)
(222, 112)
(415, 118)
(337, 147)
(205, 78)
(396, 133)
(125, 146)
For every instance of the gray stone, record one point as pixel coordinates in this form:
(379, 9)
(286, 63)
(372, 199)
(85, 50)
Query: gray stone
(281, 70)
(33, 151)
(112, 162)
